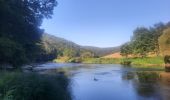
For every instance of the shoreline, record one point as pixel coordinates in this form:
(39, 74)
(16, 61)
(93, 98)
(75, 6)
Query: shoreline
(156, 62)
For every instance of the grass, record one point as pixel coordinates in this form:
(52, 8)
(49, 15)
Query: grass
(147, 61)
(101, 61)
(137, 62)
(62, 59)
(31, 86)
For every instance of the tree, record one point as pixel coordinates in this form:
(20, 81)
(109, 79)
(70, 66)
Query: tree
(164, 42)
(69, 53)
(126, 49)
(87, 54)
(11, 52)
(20, 21)
(145, 40)
(142, 41)
(157, 32)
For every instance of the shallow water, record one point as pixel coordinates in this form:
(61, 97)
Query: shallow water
(114, 82)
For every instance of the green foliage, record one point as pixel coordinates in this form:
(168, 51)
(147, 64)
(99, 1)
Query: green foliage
(22, 86)
(69, 53)
(126, 62)
(87, 55)
(144, 41)
(11, 52)
(101, 61)
(75, 60)
(126, 49)
(69, 49)
(62, 46)
(19, 29)
(164, 43)
(146, 61)
(99, 52)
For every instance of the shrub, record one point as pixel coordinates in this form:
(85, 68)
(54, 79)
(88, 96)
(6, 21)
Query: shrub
(11, 53)
(126, 62)
(21, 86)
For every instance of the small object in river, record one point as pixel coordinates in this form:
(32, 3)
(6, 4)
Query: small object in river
(95, 79)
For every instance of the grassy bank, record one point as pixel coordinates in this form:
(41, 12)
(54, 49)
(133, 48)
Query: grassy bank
(101, 61)
(30, 86)
(149, 61)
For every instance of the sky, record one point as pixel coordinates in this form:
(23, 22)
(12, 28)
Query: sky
(104, 23)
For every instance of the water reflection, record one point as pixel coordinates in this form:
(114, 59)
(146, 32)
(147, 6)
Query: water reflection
(115, 82)
(165, 85)
(150, 84)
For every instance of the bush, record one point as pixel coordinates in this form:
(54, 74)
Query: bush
(11, 53)
(126, 62)
(21, 86)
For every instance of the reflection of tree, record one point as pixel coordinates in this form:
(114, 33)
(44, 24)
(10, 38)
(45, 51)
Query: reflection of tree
(128, 76)
(164, 43)
(165, 85)
(146, 84)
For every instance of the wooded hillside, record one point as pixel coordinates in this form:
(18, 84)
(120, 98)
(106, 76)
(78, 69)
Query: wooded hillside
(145, 41)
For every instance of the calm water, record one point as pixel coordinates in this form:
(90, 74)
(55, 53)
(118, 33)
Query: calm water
(113, 82)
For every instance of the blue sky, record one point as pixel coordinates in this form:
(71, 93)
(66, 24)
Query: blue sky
(104, 23)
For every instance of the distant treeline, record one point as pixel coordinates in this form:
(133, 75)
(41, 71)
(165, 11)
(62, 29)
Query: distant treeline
(145, 41)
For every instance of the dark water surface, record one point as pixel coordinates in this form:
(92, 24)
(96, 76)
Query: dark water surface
(113, 82)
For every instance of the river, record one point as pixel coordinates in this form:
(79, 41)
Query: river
(112, 81)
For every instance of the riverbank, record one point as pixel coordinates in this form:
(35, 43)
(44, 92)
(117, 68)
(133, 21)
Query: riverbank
(147, 61)
(33, 86)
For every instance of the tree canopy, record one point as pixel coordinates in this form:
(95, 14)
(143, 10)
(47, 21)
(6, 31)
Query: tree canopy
(144, 41)
(164, 42)
(19, 29)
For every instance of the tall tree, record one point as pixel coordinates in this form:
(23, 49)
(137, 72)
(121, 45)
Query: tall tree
(20, 21)
(126, 49)
(164, 42)
(142, 41)
(157, 31)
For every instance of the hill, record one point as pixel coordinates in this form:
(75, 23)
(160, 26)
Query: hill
(114, 55)
(102, 51)
(69, 48)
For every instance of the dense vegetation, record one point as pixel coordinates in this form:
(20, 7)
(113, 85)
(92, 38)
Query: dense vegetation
(145, 41)
(164, 42)
(19, 30)
(147, 47)
(20, 43)
(22, 86)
